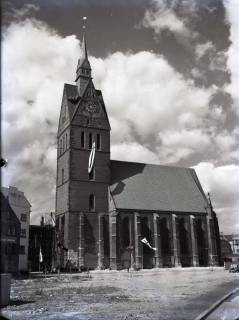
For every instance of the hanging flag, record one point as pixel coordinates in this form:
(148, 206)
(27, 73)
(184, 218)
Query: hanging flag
(145, 241)
(91, 158)
(40, 256)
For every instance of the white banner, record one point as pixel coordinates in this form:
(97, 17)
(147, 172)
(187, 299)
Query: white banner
(91, 158)
(145, 241)
(40, 255)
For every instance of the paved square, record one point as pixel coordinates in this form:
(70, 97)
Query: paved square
(175, 294)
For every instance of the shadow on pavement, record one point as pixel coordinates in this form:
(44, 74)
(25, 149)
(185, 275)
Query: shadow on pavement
(19, 302)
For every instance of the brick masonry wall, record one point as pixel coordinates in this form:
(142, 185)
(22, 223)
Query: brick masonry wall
(79, 196)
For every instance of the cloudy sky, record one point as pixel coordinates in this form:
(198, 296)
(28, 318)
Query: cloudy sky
(169, 73)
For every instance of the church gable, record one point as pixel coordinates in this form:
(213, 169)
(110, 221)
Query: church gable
(68, 106)
(91, 110)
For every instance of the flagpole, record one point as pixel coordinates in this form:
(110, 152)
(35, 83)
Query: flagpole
(142, 256)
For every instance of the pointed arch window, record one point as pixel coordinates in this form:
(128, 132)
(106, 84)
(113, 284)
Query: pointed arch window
(92, 174)
(91, 202)
(62, 176)
(98, 141)
(90, 140)
(60, 146)
(82, 139)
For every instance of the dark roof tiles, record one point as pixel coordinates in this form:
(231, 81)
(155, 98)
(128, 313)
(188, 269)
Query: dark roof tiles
(139, 186)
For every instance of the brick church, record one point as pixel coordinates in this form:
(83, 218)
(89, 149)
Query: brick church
(118, 214)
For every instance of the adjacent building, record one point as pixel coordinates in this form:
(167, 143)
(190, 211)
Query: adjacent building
(118, 214)
(233, 240)
(21, 207)
(226, 249)
(9, 238)
(41, 247)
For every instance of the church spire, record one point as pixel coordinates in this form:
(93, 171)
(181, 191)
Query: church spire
(84, 48)
(83, 71)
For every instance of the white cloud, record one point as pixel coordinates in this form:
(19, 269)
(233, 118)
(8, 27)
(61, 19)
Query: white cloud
(232, 10)
(133, 151)
(202, 48)
(35, 64)
(218, 61)
(197, 74)
(222, 183)
(191, 141)
(26, 10)
(166, 19)
(146, 94)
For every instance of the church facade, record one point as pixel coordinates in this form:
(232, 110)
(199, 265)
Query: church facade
(117, 214)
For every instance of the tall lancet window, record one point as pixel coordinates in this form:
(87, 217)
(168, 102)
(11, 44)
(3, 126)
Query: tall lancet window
(98, 141)
(91, 202)
(92, 174)
(62, 176)
(90, 140)
(82, 139)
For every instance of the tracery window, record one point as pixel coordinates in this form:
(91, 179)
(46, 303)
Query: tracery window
(98, 141)
(90, 140)
(82, 139)
(91, 202)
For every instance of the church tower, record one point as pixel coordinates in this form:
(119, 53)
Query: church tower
(83, 171)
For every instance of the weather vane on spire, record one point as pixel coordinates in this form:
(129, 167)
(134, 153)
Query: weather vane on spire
(84, 23)
(84, 48)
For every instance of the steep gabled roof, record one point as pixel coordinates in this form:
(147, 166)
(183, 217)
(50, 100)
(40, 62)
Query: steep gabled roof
(22, 200)
(72, 98)
(139, 186)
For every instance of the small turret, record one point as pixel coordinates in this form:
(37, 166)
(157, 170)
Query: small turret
(83, 71)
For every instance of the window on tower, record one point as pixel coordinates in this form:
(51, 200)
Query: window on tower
(57, 224)
(82, 139)
(90, 140)
(60, 147)
(92, 174)
(98, 141)
(91, 202)
(62, 175)
(62, 226)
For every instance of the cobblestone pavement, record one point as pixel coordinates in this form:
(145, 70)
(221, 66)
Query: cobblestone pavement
(175, 294)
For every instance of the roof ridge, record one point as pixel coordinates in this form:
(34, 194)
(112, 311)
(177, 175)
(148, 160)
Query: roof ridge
(151, 164)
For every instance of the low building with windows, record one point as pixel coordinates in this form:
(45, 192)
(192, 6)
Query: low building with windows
(22, 208)
(41, 238)
(9, 238)
(226, 249)
(117, 214)
(233, 240)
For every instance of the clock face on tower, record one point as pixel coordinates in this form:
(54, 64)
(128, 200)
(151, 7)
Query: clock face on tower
(91, 107)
